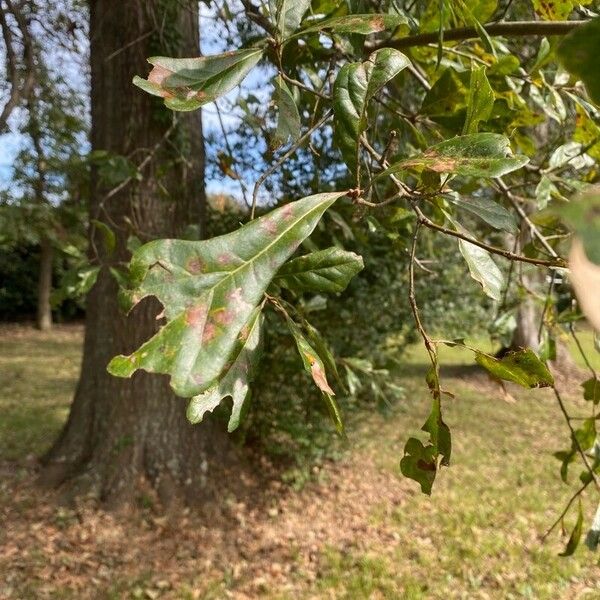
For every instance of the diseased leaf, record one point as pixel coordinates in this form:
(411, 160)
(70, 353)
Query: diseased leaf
(355, 85)
(522, 367)
(579, 53)
(189, 83)
(575, 534)
(487, 210)
(314, 366)
(327, 270)
(209, 290)
(483, 269)
(419, 463)
(288, 118)
(289, 15)
(481, 100)
(357, 24)
(236, 379)
(475, 155)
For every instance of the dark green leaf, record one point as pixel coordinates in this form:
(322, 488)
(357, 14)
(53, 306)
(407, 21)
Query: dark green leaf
(189, 83)
(522, 367)
(327, 270)
(575, 534)
(481, 100)
(591, 390)
(579, 53)
(419, 463)
(108, 235)
(487, 210)
(355, 85)
(475, 155)
(209, 290)
(235, 381)
(288, 119)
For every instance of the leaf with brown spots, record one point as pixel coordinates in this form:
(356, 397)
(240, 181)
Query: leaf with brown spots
(355, 24)
(189, 83)
(474, 155)
(315, 367)
(237, 377)
(209, 290)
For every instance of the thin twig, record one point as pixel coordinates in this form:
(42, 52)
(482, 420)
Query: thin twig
(287, 155)
(506, 28)
(565, 510)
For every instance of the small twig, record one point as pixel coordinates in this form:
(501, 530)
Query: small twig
(507, 29)
(565, 510)
(287, 155)
(578, 447)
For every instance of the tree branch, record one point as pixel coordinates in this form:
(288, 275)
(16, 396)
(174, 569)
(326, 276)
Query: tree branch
(507, 29)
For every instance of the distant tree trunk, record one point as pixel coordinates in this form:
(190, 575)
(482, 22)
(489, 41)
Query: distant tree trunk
(44, 310)
(123, 433)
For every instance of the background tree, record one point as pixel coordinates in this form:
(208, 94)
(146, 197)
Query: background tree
(120, 432)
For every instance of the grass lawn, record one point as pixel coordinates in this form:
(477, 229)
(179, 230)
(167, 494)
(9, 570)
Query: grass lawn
(361, 531)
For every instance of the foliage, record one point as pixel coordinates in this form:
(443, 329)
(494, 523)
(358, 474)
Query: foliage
(466, 134)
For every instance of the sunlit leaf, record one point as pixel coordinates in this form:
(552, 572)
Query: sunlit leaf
(236, 379)
(354, 87)
(189, 83)
(483, 269)
(358, 24)
(522, 367)
(327, 270)
(480, 102)
(209, 290)
(475, 155)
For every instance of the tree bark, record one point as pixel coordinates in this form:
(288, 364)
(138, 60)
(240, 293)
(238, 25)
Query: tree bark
(123, 434)
(44, 310)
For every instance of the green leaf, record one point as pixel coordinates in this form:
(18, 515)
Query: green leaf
(439, 432)
(355, 85)
(487, 210)
(235, 381)
(419, 463)
(209, 290)
(288, 120)
(483, 269)
(522, 367)
(314, 366)
(586, 434)
(289, 15)
(591, 390)
(475, 155)
(189, 83)
(481, 100)
(575, 534)
(108, 235)
(579, 53)
(327, 270)
(357, 24)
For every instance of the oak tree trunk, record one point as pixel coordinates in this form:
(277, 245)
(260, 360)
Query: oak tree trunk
(44, 309)
(123, 434)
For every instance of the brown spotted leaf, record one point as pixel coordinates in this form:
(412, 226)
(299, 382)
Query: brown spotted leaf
(209, 290)
(189, 83)
(475, 155)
